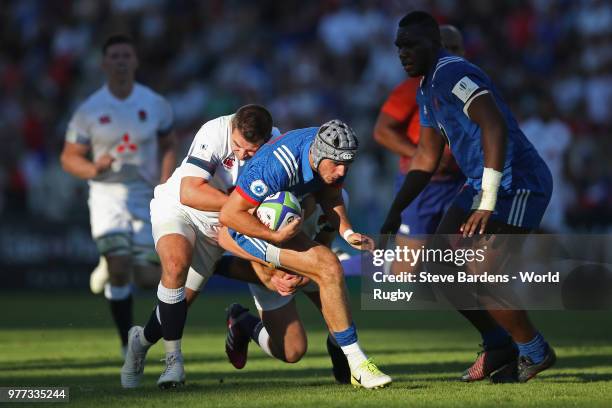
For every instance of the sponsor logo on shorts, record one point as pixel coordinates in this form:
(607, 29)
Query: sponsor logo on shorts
(259, 188)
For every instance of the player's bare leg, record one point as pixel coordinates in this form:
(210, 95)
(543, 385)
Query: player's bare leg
(340, 366)
(317, 262)
(147, 268)
(278, 331)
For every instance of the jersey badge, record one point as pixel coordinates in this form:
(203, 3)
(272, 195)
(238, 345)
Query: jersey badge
(259, 188)
(228, 162)
(142, 115)
(104, 119)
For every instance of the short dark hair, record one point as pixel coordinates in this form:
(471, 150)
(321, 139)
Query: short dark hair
(119, 38)
(254, 122)
(424, 20)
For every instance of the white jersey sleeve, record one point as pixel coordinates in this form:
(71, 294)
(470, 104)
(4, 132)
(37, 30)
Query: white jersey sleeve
(207, 151)
(78, 128)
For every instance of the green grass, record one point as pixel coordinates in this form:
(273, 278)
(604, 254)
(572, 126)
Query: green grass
(66, 339)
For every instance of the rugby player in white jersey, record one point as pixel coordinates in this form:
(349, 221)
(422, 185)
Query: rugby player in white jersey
(185, 220)
(120, 140)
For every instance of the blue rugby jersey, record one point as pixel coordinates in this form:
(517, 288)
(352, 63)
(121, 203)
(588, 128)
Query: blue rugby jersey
(281, 165)
(444, 96)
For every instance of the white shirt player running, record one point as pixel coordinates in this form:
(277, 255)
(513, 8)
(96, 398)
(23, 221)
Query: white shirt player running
(128, 130)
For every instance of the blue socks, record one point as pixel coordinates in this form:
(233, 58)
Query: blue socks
(535, 349)
(495, 338)
(346, 337)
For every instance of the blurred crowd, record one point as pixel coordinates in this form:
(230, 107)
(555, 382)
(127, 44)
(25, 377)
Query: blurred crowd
(307, 62)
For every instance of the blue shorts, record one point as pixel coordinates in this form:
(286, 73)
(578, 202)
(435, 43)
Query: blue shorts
(423, 215)
(524, 205)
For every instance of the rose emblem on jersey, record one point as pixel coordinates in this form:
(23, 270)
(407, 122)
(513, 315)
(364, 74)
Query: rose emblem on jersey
(228, 162)
(142, 115)
(259, 188)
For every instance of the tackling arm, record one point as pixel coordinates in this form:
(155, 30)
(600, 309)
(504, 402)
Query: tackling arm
(196, 192)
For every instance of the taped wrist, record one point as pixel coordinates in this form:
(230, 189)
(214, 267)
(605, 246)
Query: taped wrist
(491, 180)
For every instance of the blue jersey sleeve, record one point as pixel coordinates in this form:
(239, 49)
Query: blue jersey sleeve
(459, 83)
(260, 180)
(424, 111)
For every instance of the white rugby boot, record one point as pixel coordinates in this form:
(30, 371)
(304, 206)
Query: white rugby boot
(174, 374)
(367, 375)
(133, 366)
(99, 277)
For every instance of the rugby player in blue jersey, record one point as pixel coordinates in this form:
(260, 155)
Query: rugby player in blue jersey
(304, 161)
(508, 184)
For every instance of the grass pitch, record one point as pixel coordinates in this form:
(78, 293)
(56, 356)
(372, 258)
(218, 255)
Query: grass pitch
(67, 339)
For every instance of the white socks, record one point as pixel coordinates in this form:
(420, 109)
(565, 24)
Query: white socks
(172, 346)
(263, 339)
(354, 355)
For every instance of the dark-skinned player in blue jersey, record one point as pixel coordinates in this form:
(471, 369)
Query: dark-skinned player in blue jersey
(508, 184)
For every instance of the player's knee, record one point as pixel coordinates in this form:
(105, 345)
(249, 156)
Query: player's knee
(331, 269)
(295, 352)
(146, 276)
(146, 267)
(119, 269)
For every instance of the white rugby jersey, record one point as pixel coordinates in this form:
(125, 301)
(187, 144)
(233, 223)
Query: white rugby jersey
(210, 157)
(127, 129)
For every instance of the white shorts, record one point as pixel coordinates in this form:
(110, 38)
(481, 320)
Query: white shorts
(121, 209)
(168, 217)
(266, 299)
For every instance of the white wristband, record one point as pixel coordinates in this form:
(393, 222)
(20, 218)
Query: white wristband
(347, 234)
(491, 180)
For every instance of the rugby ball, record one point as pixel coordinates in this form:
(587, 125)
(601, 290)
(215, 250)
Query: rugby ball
(278, 210)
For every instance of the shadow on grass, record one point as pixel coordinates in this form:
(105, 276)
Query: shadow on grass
(71, 363)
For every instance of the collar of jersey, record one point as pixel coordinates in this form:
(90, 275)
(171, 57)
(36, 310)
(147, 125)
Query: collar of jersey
(441, 54)
(114, 99)
(306, 169)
